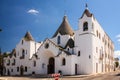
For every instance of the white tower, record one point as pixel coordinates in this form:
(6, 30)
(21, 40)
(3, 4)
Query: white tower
(84, 43)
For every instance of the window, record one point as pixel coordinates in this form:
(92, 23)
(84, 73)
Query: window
(26, 51)
(34, 63)
(25, 69)
(46, 45)
(11, 70)
(93, 27)
(105, 42)
(78, 53)
(96, 49)
(108, 45)
(33, 72)
(13, 62)
(99, 36)
(68, 49)
(63, 61)
(43, 65)
(8, 62)
(103, 39)
(58, 40)
(97, 33)
(17, 69)
(23, 52)
(89, 57)
(85, 26)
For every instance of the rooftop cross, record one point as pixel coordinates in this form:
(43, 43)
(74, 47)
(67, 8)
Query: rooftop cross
(86, 6)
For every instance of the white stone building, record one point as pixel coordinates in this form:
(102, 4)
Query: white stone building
(88, 50)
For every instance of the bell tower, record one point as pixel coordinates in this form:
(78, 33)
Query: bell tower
(84, 42)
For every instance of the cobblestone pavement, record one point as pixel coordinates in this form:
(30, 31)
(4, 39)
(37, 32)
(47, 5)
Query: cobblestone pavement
(106, 76)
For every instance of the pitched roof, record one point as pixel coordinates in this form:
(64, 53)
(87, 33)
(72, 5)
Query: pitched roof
(64, 28)
(13, 53)
(35, 55)
(66, 52)
(28, 37)
(87, 12)
(70, 43)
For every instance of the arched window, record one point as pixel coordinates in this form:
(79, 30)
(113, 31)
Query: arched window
(17, 69)
(8, 62)
(34, 63)
(23, 52)
(63, 61)
(11, 70)
(58, 40)
(85, 26)
(68, 49)
(78, 53)
(13, 62)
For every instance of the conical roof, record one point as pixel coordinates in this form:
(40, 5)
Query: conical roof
(28, 37)
(64, 28)
(87, 12)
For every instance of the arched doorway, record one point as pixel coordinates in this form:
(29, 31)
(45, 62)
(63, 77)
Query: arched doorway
(21, 70)
(51, 65)
(8, 72)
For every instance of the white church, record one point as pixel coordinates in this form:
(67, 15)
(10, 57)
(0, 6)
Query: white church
(88, 50)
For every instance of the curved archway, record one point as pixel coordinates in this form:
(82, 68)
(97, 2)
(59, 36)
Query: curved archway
(63, 61)
(51, 65)
(21, 70)
(85, 26)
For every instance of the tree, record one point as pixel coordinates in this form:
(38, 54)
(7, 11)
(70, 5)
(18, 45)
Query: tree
(116, 64)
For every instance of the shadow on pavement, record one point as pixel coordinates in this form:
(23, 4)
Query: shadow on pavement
(117, 74)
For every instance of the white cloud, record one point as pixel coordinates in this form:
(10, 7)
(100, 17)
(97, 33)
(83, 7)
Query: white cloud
(117, 53)
(33, 11)
(118, 36)
(118, 40)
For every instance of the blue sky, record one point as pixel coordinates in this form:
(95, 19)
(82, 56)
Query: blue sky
(43, 17)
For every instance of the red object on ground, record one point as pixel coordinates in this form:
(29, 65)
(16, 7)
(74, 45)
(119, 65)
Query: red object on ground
(56, 76)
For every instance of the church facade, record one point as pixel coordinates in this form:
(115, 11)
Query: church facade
(88, 50)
